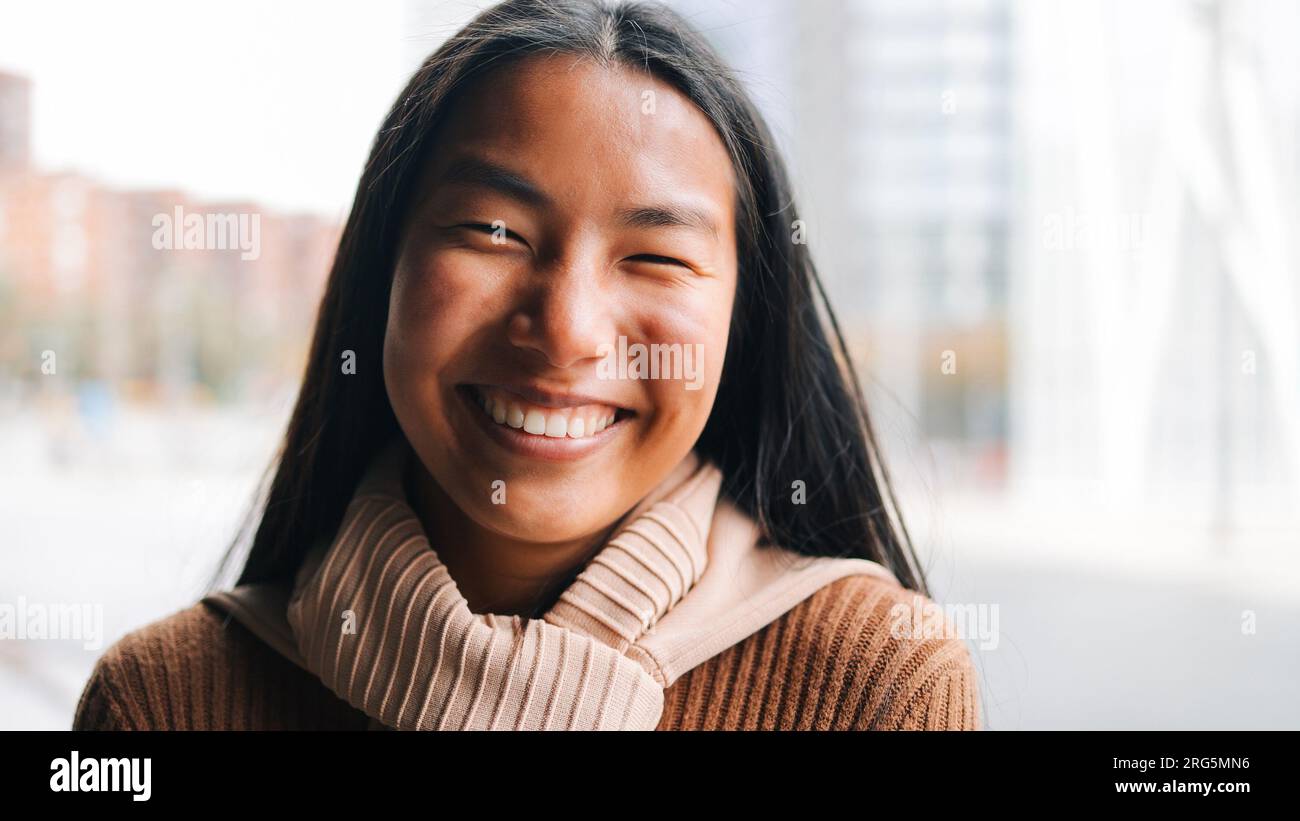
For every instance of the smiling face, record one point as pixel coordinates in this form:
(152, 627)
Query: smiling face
(567, 205)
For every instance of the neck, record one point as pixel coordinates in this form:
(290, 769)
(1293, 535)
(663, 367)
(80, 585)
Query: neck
(494, 572)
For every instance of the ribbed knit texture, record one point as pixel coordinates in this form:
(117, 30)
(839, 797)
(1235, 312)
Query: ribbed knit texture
(421, 660)
(379, 619)
(830, 663)
(417, 658)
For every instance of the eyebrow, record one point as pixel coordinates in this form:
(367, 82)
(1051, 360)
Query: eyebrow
(669, 216)
(476, 172)
(473, 171)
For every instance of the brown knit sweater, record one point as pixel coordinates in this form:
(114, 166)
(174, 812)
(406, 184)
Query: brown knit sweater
(828, 664)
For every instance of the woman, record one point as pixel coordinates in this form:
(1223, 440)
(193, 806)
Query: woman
(572, 449)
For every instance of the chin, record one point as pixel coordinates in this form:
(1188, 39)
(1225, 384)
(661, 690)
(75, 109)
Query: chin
(533, 522)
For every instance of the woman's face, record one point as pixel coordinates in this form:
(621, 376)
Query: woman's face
(570, 214)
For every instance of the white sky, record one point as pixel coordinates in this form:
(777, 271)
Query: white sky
(271, 101)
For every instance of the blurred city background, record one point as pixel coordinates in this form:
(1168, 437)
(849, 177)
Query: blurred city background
(1061, 236)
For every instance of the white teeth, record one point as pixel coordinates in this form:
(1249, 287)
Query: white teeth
(557, 427)
(535, 422)
(571, 423)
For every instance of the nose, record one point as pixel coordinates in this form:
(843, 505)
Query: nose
(565, 315)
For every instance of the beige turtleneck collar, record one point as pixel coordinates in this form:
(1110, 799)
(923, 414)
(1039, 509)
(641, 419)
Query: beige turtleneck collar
(379, 619)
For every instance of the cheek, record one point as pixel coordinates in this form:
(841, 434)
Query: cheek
(702, 315)
(428, 323)
(426, 302)
(701, 326)
(437, 306)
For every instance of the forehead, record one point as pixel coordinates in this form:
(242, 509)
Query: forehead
(591, 133)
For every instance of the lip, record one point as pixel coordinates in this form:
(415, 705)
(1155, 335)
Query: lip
(533, 446)
(538, 395)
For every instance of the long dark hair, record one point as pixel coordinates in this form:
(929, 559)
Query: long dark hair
(789, 407)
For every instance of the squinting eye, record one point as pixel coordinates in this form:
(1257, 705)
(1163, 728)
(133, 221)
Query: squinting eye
(656, 259)
(491, 230)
